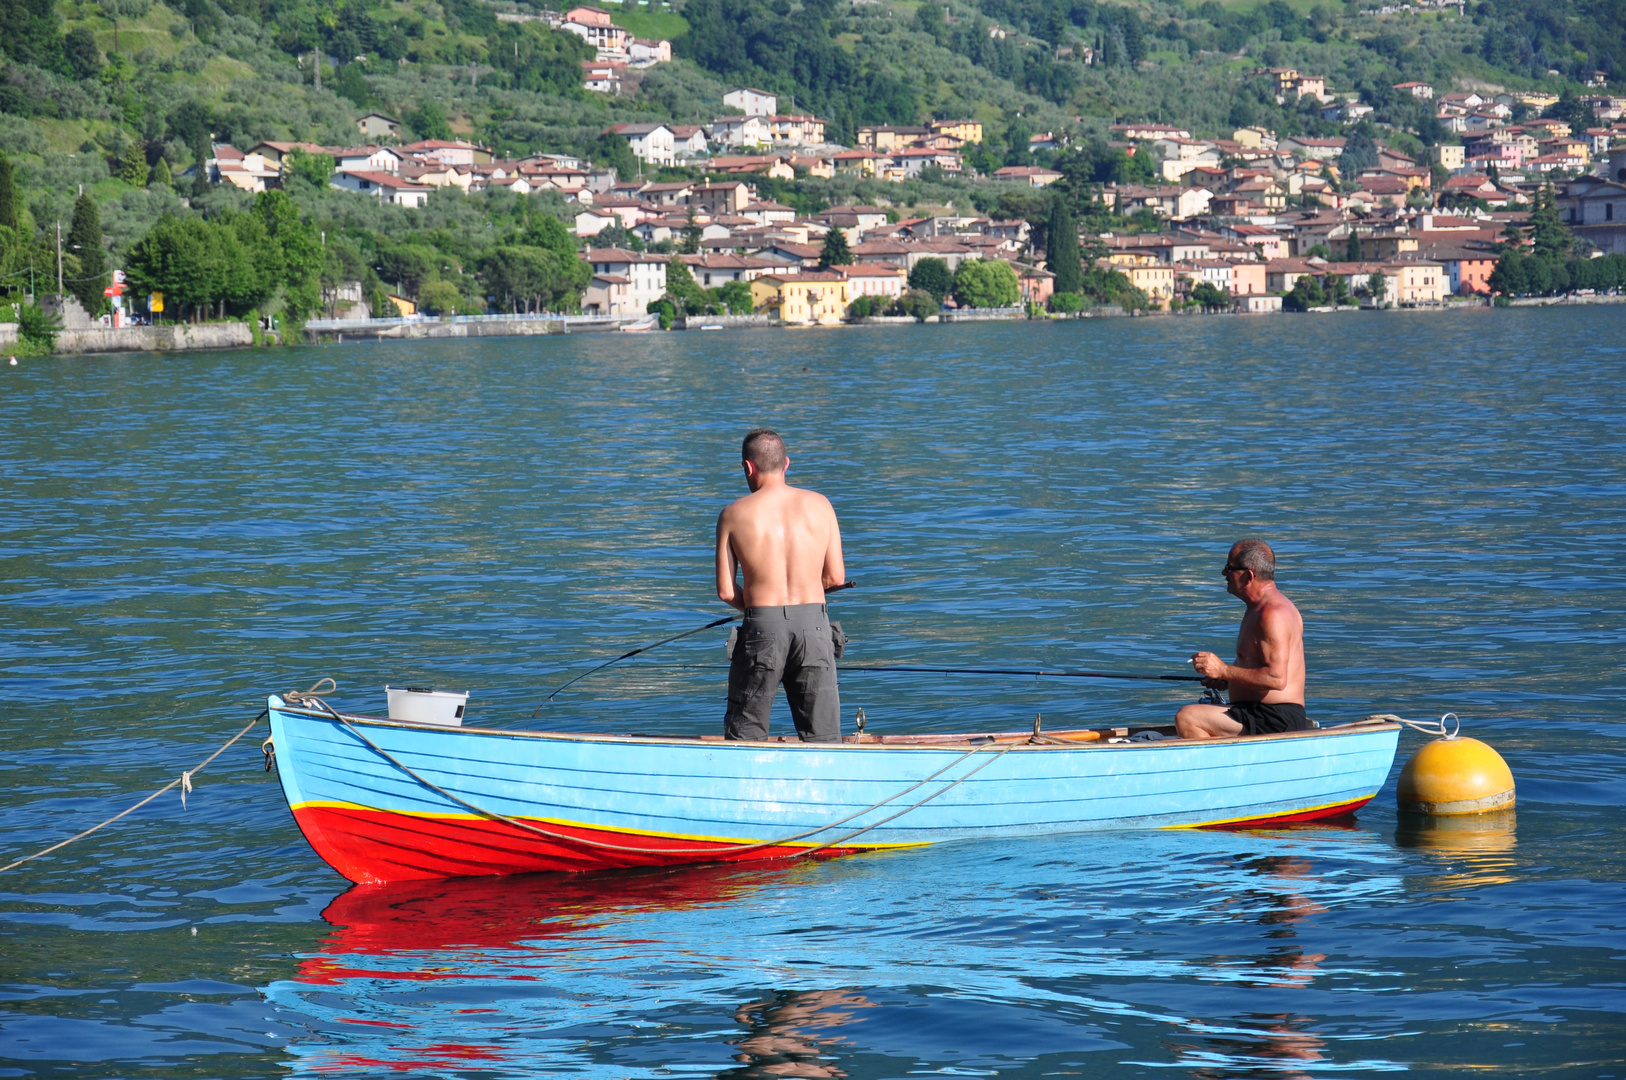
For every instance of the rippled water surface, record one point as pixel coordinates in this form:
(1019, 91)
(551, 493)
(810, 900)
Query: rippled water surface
(182, 535)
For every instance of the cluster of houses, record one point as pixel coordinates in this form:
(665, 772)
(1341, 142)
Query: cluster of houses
(1387, 251)
(406, 174)
(1250, 215)
(617, 55)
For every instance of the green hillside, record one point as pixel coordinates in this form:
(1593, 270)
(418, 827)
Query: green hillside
(118, 98)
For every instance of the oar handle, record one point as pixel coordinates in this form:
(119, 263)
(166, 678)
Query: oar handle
(848, 584)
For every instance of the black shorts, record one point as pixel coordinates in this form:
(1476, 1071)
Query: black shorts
(1257, 718)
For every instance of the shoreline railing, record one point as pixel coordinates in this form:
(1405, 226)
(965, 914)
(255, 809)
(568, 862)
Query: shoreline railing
(432, 320)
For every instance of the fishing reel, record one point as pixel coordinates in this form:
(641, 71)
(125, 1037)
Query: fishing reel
(1212, 696)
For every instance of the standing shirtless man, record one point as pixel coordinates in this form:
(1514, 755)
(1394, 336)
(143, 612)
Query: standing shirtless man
(1267, 680)
(788, 543)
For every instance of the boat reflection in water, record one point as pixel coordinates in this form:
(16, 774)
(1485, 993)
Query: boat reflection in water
(466, 973)
(1016, 959)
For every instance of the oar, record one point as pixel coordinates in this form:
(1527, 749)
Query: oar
(1019, 671)
(663, 641)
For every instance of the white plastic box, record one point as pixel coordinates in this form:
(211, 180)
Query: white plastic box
(423, 706)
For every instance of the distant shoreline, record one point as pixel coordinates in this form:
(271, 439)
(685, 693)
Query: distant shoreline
(206, 336)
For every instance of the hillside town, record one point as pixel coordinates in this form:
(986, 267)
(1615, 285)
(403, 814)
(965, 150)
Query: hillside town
(1231, 223)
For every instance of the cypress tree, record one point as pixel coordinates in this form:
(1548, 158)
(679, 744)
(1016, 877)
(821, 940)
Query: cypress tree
(1548, 234)
(1352, 250)
(9, 202)
(1061, 248)
(85, 241)
(836, 252)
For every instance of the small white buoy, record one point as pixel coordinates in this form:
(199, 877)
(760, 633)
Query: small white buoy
(194, 931)
(13, 361)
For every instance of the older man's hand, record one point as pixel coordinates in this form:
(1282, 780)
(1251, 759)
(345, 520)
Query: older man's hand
(1208, 665)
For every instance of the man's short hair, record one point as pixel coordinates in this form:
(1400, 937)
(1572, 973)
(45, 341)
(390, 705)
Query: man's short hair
(1255, 555)
(764, 448)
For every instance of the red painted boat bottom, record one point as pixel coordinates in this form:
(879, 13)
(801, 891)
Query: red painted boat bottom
(1319, 813)
(375, 846)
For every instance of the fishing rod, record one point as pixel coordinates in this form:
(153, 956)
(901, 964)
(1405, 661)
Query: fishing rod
(1022, 671)
(664, 641)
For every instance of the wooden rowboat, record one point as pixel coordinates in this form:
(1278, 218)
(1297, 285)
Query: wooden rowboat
(383, 800)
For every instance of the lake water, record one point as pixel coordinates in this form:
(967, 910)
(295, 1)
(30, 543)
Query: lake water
(183, 535)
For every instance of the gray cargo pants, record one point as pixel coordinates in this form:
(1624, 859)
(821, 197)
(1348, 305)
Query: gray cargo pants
(789, 644)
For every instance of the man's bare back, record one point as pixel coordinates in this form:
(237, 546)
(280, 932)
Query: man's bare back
(1267, 680)
(784, 539)
(786, 543)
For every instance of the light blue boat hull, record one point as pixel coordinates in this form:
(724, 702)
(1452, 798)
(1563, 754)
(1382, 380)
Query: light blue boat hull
(364, 792)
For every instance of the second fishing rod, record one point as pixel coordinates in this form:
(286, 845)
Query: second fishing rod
(1054, 673)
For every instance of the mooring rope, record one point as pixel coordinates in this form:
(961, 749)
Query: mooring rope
(1427, 727)
(183, 781)
(308, 698)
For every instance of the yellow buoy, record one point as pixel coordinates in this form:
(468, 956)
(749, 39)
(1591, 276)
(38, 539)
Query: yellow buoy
(1452, 776)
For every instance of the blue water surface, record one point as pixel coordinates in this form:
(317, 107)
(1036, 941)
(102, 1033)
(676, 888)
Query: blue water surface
(183, 534)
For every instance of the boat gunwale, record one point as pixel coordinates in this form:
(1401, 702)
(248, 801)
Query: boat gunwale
(1355, 727)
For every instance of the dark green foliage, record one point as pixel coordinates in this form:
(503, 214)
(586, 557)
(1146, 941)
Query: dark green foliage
(232, 263)
(539, 59)
(429, 121)
(862, 307)
(1575, 37)
(681, 286)
(736, 297)
(1210, 296)
(932, 275)
(766, 44)
(1360, 153)
(835, 251)
(11, 203)
(84, 242)
(1305, 294)
(1105, 285)
(38, 327)
(349, 84)
(986, 283)
(81, 52)
(1549, 237)
(1061, 247)
(314, 169)
(131, 166)
(1066, 303)
(28, 32)
(194, 263)
(410, 266)
(532, 279)
(918, 304)
(296, 249)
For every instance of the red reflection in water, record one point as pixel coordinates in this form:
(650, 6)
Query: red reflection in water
(506, 912)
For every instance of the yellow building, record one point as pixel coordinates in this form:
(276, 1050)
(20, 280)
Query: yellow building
(809, 298)
(967, 131)
(1450, 157)
(1157, 282)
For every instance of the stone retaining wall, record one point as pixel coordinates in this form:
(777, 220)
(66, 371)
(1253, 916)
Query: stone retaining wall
(174, 337)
